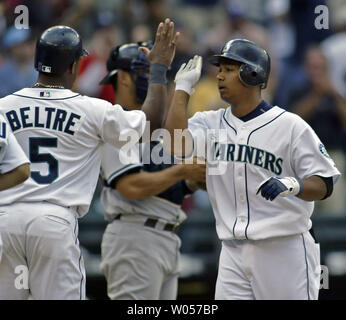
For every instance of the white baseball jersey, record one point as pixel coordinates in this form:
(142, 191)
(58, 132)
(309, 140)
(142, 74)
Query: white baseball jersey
(131, 271)
(115, 163)
(11, 154)
(3, 137)
(243, 154)
(62, 132)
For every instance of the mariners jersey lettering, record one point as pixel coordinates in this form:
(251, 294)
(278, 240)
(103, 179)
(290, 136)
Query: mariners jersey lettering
(247, 154)
(275, 143)
(62, 133)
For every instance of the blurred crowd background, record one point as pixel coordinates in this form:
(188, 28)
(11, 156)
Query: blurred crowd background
(308, 73)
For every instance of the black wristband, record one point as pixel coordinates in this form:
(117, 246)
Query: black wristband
(158, 73)
(329, 184)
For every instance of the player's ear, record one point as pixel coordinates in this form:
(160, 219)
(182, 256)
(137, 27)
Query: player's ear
(75, 67)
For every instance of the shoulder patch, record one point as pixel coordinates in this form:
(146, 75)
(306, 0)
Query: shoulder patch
(323, 150)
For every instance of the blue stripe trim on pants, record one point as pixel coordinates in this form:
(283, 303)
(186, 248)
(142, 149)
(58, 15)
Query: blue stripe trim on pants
(307, 269)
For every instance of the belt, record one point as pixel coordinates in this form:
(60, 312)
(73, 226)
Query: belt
(150, 222)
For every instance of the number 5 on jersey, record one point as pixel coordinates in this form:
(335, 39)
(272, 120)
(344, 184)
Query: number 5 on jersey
(37, 157)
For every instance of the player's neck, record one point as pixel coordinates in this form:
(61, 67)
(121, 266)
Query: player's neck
(56, 81)
(126, 100)
(244, 107)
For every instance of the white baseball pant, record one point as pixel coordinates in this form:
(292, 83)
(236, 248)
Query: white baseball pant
(41, 255)
(139, 262)
(284, 268)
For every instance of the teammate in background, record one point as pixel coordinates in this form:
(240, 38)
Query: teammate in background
(260, 152)
(14, 165)
(142, 198)
(62, 133)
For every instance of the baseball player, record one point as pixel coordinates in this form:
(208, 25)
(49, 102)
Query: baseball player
(14, 165)
(265, 169)
(142, 198)
(62, 134)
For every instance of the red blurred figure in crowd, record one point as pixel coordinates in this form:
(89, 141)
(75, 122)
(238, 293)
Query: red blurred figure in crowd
(92, 68)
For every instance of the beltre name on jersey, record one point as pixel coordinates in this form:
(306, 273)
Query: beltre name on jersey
(43, 117)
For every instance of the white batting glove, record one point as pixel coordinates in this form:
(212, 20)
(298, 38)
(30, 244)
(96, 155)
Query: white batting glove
(188, 75)
(273, 186)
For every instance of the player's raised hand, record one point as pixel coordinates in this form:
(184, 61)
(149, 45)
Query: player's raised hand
(163, 50)
(188, 75)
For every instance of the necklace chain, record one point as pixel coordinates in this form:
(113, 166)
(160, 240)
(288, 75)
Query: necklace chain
(38, 84)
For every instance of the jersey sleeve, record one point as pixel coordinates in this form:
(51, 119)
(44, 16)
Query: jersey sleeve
(120, 126)
(3, 137)
(309, 156)
(198, 128)
(116, 162)
(13, 156)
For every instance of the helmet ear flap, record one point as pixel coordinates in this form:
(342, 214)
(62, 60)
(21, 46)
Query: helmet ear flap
(250, 76)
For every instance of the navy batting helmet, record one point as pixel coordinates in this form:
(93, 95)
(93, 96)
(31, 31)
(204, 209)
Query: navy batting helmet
(57, 49)
(255, 61)
(127, 57)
